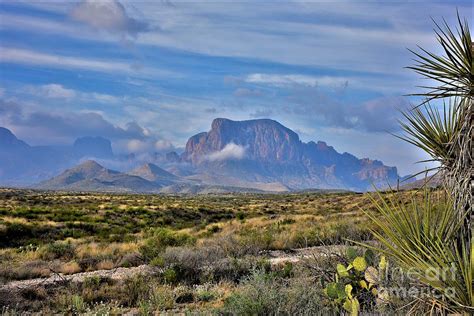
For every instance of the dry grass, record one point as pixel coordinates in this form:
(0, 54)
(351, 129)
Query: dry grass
(44, 233)
(105, 265)
(107, 230)
(70, 267)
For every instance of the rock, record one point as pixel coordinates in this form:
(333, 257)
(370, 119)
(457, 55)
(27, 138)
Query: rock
(265, 151)
(97, 147)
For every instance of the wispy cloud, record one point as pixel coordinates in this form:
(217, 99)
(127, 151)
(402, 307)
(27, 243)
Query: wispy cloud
(378, 115)
(45, 127)
(58, 91)
(231, 29)
(109, 16)
(230, 151)
(53, 90)
(10, 21)
(284, 80)
(245, 92)
(262, 113)
(28, 57)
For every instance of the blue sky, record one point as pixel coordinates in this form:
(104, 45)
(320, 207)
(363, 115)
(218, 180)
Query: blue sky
(150, 74)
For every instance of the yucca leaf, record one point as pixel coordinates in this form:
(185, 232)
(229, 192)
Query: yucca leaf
(454, 71)
(422, 237)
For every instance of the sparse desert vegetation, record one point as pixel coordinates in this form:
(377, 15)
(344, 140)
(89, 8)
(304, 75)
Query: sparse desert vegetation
(209, 253)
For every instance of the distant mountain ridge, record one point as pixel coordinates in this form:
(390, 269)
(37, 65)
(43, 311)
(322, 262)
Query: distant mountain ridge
(260, 155)
(93, 146)
(153, 173)
(90, 176)
(8, 140)
(267, 151)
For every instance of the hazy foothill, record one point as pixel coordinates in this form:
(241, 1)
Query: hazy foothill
(249, 217)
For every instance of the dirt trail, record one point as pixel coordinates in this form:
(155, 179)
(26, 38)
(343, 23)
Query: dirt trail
(276, 257)
(59, 278)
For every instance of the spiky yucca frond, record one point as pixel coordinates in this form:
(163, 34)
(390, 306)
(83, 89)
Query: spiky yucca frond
(427, 237)
(432, 131)
(453, 71)
(420, 237)
(449, 140)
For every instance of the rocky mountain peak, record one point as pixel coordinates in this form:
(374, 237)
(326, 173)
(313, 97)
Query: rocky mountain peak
(152, 172)
(264, 149)
(262, 140)
(88, 168)
(8, 139)
(90, 146)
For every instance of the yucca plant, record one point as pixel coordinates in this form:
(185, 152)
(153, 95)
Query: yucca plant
(434, 131)
(421, 238)
(428, 237)
(449, 141)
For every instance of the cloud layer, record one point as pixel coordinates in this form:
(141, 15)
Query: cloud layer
(109, 16)
(285, 80)
(28, 57)
(230, 151)
(43, 127)
(330, 70)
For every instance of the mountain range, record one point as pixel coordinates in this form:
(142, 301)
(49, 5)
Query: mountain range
(251, 156)
(265, 151)
(22, 164)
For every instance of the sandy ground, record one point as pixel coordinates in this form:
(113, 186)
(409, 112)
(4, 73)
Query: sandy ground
(275, 257)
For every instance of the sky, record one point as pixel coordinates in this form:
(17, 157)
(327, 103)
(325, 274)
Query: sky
(150, 74)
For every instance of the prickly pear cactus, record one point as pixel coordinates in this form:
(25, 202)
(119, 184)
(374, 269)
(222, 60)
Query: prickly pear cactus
(359, 264)
(357, 283)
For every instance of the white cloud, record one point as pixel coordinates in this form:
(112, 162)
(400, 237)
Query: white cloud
(145, 146)
(46, 26)
(230, 151)
(163, 145)
(43, 126)
(315, 29)
(312, 33)
(28, 57)
(244, 92)
(137, 146)
(281, 80)
(53, 91)
(107, 15)
(58, 91)
(102, 98)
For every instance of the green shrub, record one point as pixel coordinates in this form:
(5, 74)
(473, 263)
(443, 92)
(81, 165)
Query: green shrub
(265, 294)
(169, 276)
(205, 295)
(57, 250)
(160, 239)
(144, 308)
(257, 239)
(287, 270)
(157, 262)
(137, 288)
(78, 305)
(258, 296)
(162, 297)
(16, 234)
(240, 216)
(214, 229)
